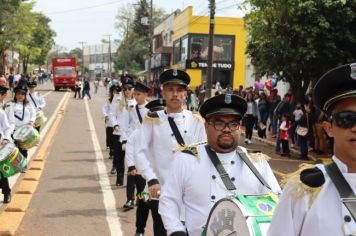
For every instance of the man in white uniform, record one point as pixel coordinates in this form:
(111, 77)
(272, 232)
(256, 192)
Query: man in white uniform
(194, 180)
(160, 134)
(311, 203)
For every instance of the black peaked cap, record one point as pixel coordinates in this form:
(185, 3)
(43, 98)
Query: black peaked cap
(174, 76)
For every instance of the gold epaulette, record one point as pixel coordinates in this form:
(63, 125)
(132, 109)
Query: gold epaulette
(198, 117)
(191, 149)
(258, 157)
(152, 118)
(297, 189)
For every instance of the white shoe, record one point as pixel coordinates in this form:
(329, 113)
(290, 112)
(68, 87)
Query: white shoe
(249, 141)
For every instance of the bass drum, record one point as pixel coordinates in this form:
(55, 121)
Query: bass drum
(242, 215)
(27, 137)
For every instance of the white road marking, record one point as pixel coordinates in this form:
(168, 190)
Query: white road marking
(112, 216)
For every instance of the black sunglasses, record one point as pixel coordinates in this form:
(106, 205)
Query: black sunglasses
(345, 119)
(220, 125)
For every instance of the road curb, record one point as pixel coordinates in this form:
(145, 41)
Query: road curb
(14, 212)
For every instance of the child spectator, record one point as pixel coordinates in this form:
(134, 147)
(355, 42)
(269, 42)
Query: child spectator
(284, 134)
(297, 115)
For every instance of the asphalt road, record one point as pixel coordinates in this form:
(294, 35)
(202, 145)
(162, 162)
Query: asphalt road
(76, 194)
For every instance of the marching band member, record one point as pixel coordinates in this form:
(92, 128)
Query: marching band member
(320, 200)
(135, 116)
(24, 113)
(35, 99)
(161, 133)
(121, 126)
(109, 106)
(142, 207)
(6, 130)
(197, 164)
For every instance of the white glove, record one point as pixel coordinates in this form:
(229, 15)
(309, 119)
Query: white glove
(117, 129)
(123, 146)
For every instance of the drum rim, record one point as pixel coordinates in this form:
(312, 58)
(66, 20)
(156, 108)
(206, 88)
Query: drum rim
(13, 150)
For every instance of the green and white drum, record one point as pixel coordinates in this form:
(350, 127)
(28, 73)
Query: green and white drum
(11, 160)
(26, 136)
(242, 215)
(40, 119)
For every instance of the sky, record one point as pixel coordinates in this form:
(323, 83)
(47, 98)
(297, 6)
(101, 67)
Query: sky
(90, 21)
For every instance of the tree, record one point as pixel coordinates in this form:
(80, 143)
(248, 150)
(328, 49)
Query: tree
(299, 40)
(134, 46)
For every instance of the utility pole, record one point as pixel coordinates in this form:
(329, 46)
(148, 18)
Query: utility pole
(82, 43)
(150, 39)
(210, 49)
(126, 69)
(109, 65)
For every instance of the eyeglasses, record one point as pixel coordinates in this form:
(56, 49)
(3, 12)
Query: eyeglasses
(221, 125)
(125, 89)
(345, 119)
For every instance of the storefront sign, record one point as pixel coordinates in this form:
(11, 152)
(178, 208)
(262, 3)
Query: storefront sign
(192, 64)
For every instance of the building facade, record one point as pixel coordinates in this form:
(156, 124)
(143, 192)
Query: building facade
(190, 48)
(98, 60)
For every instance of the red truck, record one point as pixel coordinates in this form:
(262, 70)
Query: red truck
(64, 71)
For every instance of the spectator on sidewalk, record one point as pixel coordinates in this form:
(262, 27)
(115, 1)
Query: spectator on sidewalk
(274, 99)
(252, 116)
(284, 107)
(297, 115)
(284, 134)
(263, 108)
(311, 113)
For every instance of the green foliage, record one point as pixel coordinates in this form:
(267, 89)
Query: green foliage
(299, 40)
(134, 46)
(24, 31)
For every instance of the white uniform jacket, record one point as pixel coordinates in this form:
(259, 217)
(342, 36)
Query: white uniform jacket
(9, 111)
(134, 121)
(5, 127)
(23, 114)
(36, 100)
(194, 183)
(156, 142)
(325, 215)
(108, 108)
(120, 117)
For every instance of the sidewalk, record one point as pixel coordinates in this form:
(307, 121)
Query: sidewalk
(295, 150)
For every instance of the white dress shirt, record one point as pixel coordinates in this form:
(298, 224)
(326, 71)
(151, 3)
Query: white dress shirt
(156, 143)
(325, 216)
(23, 115)
(195, 183)
(36, 100)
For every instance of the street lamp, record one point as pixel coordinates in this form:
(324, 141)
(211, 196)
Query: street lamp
(109, 49)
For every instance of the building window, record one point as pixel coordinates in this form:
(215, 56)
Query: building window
(184, 49)
(176, 52)
(222, 50)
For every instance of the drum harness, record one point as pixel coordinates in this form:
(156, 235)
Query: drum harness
(138, 114)
(23, 113)
(33, 100)
(347, 196)
(225, 176)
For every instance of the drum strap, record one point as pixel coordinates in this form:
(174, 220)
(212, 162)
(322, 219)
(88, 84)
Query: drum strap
(220, 168)
(252, 167)
(176, 132)
(33, 100)
(23, 113)
(346, 194)
(138, 114)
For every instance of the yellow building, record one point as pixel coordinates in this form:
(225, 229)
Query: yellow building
(190, 48)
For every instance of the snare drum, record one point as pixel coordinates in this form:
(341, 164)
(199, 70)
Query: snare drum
(242, 215)
(11, 160)
(40, 119)
(26, 136)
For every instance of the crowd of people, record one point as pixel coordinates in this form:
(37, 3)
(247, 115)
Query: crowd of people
(182, 162)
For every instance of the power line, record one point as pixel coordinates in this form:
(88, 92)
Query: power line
(84, 8)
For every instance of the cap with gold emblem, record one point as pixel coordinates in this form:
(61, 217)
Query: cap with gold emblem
(174, 76)
(335, 85)
(223, 104)
(127, 81)
(155, 105)
(141, 87)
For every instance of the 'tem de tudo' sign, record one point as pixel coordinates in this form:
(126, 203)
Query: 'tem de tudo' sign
(192, 64)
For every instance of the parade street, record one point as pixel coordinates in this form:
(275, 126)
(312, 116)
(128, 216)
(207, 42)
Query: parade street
(68, 189)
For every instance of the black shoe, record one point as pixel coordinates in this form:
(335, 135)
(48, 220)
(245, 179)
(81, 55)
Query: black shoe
(138, 234)
(129, 204)
(7, 198)
(113, 171)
